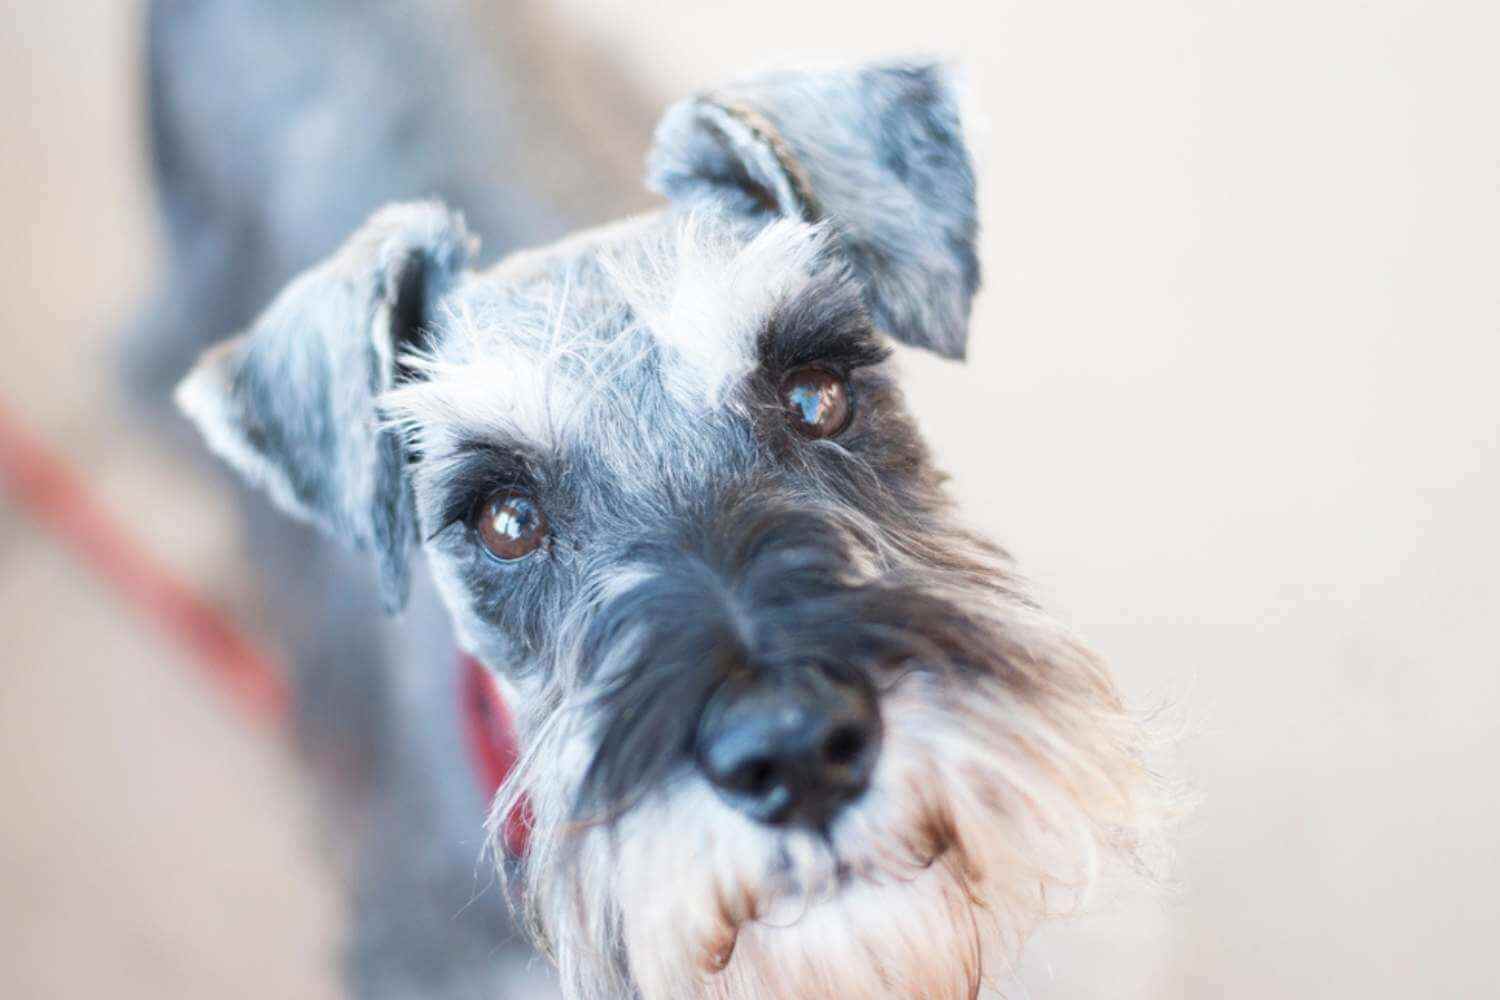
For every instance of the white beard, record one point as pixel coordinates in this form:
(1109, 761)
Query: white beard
(988, 812)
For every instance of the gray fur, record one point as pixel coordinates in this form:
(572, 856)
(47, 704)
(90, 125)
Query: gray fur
(883, 154)
(627, 380)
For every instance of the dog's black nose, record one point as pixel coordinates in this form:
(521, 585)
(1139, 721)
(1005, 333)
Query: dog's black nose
(790, 752)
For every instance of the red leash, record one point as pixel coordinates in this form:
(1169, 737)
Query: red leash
(48, 490)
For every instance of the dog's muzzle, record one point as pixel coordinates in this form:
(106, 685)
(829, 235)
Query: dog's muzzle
(749, 655)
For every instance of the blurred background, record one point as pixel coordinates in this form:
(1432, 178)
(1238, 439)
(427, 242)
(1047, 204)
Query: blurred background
(1232, 399)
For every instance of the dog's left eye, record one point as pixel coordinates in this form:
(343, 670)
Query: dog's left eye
(816, 401)
(511, 525)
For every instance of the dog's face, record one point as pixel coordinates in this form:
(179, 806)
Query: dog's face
(788, 728)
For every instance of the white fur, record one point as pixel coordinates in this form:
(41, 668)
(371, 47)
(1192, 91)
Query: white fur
(508, 384)
(704, 294)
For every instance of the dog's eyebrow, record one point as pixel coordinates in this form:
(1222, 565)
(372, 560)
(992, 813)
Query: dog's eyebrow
(823, 323)
(473, 471)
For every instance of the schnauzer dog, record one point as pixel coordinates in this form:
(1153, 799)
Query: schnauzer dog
(788, 729)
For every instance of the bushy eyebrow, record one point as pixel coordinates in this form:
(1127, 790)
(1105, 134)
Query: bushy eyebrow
(474, 471)
(824, 322)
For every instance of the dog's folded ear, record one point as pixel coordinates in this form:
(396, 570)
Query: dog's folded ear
(877, 151)
(291, 404)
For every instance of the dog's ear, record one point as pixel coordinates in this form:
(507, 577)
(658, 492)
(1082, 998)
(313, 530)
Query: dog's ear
(291, 404)
(878, 151)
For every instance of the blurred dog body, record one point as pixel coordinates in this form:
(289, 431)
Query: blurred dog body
(276, 127)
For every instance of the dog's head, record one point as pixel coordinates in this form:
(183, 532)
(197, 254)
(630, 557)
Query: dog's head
(789, 729)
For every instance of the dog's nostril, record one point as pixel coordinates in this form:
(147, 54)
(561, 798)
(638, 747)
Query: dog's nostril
(844, 745)
(756, 776)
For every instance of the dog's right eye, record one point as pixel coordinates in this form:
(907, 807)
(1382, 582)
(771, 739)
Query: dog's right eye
(511, 525)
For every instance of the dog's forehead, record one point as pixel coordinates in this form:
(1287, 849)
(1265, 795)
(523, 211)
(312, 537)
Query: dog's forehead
(578, 340)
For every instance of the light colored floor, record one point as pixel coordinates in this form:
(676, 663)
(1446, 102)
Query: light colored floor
(1231, 398)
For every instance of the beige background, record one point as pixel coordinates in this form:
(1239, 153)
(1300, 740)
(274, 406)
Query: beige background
(1232, 399)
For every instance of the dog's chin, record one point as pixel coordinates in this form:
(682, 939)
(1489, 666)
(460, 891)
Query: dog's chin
(922, 936)
(802, 916)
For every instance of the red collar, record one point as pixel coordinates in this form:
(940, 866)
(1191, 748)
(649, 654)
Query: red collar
(491, 736)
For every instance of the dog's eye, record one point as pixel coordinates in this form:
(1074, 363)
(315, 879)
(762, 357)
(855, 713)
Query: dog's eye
(511, 525)
(816, 401)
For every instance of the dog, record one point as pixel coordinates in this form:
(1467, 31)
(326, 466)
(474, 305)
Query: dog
(789, 729)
